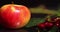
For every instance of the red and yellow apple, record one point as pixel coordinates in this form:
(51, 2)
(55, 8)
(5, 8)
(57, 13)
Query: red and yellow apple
(15, 16)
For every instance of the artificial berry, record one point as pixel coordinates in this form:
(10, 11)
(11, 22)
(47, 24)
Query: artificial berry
(41, 25)
(53, 19)
(48, 24)
(57, 19)
(57, 24)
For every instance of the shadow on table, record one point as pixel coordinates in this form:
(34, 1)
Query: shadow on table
(24, 29)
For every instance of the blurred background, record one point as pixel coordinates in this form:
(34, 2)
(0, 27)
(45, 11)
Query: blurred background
(39, 9)
(40, 4)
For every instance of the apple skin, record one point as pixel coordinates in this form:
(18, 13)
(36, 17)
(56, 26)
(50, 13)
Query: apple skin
(15, 16)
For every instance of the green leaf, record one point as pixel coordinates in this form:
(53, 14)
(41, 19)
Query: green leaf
(54, 29)
(34, 21)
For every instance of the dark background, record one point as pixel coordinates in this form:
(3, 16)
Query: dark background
(50, 4)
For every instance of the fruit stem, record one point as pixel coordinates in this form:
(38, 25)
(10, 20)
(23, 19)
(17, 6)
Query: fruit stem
(12, 2)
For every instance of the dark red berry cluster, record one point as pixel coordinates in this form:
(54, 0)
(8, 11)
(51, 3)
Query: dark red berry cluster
(50, 22)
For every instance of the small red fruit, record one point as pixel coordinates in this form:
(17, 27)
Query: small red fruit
(53, 19)
(15, 16)
(48, 24)
(57, 19)
(57, 24)
(41, 25)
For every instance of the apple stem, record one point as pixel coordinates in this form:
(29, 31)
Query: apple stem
(12, 2)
